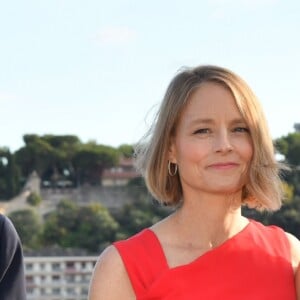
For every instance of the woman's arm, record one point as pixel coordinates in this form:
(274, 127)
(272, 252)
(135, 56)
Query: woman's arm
(295, 254)
(297, 282)
(110, 280)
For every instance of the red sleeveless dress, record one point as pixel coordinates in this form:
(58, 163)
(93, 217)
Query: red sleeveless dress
(254, 264)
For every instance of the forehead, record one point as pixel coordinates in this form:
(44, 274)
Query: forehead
(211, 99)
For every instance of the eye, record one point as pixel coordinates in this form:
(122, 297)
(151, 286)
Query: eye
(202, 131)
(241, 129)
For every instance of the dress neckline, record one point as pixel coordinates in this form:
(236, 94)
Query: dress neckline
(207, 253)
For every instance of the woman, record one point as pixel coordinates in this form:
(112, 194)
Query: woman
(209, 153)
(12, 279)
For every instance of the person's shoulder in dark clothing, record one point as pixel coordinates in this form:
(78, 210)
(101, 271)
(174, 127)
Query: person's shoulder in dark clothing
(12, 278)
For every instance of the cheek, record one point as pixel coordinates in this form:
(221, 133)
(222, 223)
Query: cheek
(190, 151)
(247, 151)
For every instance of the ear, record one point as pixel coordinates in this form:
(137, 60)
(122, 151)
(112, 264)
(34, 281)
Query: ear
(172, 152)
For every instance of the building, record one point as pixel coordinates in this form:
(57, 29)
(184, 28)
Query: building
(58, 277)
(121, 174)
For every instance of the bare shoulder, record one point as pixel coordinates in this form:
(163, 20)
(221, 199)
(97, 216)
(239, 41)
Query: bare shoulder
(110, 280)
(295, 249)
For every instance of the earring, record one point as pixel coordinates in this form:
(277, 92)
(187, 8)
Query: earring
(175, 169)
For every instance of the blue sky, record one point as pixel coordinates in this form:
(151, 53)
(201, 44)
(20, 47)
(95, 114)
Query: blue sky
(98, 69)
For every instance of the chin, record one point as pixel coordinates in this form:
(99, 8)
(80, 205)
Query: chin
(233, 190)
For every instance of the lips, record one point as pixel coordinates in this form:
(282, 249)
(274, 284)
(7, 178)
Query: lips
(224, 166)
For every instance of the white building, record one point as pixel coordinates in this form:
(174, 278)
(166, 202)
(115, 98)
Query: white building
(58, 277)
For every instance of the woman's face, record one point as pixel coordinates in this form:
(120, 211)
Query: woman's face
(212, 145)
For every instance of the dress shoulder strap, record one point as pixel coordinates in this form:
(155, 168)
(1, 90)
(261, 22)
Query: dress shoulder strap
(273, 239)
(143, 259)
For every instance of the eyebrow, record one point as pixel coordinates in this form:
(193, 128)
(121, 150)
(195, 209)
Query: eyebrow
(211, 121)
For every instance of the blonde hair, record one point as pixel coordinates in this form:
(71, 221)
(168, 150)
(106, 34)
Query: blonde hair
(263, 189)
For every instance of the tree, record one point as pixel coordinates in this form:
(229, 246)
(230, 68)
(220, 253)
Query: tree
(66, 147)
(90, 161)
(64, 158)
(288, 217)
(89, 227)
(60, 223)
(289, 146)
(98, 225)
(126, 150)
(12, 176)
(28, 225)
(142, 212)
(36, 155)
(9, 175)
(34, 199)
(62, 141)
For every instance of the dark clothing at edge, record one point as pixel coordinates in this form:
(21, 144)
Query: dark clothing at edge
(12, 278)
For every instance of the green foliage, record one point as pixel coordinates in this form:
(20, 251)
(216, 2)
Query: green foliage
(28, 225)
(91, 159)
(89, 227)
(36, 155)
(92, 227)
(60, 223)
(142, 212)
(288, 217)
(9, 175)
(64, 158)
(34, 199)
(61, 141)
(96, 228)
(126, 150)
(132, 219)
(288, 192)
(289, 146)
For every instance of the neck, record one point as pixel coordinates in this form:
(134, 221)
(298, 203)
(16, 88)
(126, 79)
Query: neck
(213, 218)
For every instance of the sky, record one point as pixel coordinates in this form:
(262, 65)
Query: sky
(99, 69)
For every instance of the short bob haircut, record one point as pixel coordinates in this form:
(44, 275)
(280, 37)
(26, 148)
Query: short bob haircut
(263, 190)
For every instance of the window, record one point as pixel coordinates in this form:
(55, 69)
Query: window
(56, 267)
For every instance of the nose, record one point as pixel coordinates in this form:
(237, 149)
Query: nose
(222, 142)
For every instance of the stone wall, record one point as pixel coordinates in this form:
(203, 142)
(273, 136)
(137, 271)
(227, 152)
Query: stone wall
(111, 197)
